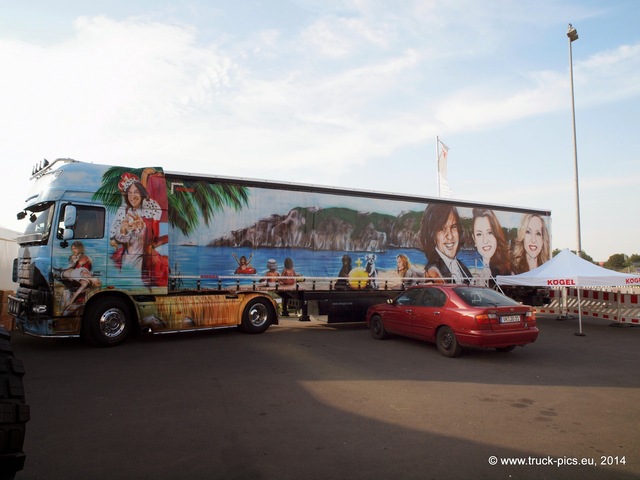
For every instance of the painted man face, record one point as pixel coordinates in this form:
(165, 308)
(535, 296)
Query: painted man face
(134, 197)
(447, 237)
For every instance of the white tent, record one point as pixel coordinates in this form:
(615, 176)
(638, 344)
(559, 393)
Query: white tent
(568, 270)
(8, 251)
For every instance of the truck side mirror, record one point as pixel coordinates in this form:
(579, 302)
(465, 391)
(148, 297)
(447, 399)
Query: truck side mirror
(69, 221)
(69, 216)
(67, 234)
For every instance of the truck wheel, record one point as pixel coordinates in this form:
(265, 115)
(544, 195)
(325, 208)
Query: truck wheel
(258, 315)
(447, 342)
(14, 414)
(107, 322)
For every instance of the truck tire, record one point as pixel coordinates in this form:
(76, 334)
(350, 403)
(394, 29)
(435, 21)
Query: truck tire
(14, 414)
(107, 322)
(257, 316)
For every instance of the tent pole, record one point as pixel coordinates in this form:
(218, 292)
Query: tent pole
(564, 315)
(579, 333)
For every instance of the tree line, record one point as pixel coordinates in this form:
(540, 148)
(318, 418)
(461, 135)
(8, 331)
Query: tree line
(617, 261)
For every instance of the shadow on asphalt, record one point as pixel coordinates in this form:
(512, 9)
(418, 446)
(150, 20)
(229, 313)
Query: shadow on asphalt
(326, 401)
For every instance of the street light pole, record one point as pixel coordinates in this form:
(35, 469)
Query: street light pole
(572, 34)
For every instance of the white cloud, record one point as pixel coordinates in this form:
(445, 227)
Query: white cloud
(116, 86)
(609, 75)
(343, 37)
(110, 79)
(601, 78)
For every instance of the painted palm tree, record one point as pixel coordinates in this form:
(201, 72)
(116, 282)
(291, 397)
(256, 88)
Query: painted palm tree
(189, 202)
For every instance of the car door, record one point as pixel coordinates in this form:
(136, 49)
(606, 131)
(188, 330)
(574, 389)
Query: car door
(397, 318)
(429, 314)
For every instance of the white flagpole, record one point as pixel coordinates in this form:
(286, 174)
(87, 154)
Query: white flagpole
(438, 164)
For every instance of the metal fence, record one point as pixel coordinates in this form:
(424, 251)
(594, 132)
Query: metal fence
(617, 306)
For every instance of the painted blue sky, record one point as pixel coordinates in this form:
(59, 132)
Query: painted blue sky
(340, 93)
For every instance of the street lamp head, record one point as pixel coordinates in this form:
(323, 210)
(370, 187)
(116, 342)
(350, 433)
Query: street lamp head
(572, 33)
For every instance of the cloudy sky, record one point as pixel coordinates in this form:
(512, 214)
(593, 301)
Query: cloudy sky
(348, 93)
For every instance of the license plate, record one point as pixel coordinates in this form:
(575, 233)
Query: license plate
(510, 319)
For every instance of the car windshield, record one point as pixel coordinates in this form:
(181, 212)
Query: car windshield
(483, 297)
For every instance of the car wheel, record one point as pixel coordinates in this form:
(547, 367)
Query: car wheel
(508, 349)
(448, 343)
(107, 322)
(258, 315)
(377, 328)
(15, 414)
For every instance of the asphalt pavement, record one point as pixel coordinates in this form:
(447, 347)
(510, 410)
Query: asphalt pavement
(309, 400)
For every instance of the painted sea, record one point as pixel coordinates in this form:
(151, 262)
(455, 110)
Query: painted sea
(194, 266)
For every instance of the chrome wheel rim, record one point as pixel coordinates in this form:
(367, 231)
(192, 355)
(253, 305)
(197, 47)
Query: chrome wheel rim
(113, 323)
(258, 314)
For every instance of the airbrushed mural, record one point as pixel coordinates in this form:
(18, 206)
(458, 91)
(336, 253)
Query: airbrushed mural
(164, 233)
(120, 237)
(259, 237)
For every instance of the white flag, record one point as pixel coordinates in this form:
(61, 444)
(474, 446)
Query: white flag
(443, 184)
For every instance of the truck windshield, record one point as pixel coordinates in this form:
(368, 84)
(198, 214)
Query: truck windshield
(40, 220)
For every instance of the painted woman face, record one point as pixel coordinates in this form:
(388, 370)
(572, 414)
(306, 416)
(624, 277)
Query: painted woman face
(486, 242)
(134, 197)
(533, 237)
(448, 237)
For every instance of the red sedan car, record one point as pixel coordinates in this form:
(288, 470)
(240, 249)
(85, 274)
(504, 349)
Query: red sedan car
(455, 316)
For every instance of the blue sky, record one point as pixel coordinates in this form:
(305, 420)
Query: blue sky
(340, 93)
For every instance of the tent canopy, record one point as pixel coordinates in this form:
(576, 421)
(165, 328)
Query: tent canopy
(568, 270)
